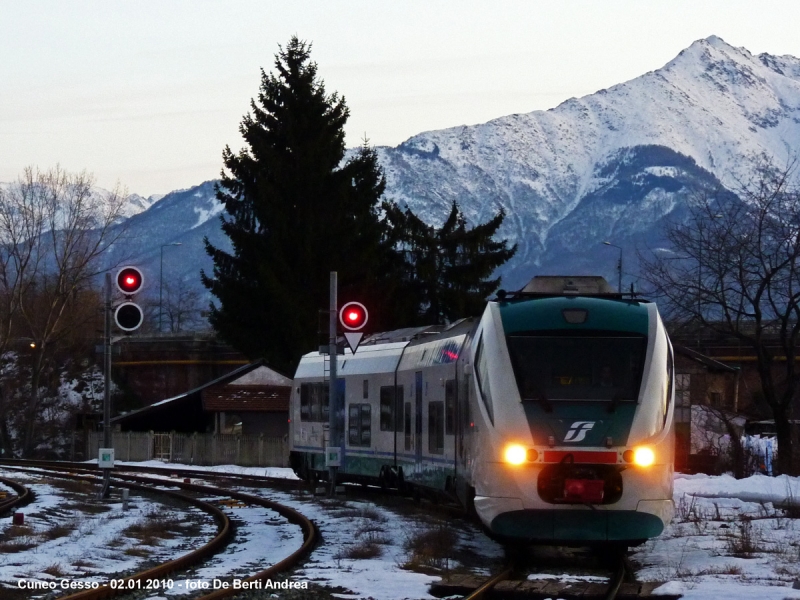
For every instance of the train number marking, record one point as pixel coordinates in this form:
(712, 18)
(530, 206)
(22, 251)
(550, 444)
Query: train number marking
(577, 431)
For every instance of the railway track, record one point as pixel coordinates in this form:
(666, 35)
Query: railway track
(134, 583)
(23, 495)
(508, 583)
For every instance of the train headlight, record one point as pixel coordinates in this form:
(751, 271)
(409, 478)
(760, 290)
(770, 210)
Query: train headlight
(644, 457)
(515, 454)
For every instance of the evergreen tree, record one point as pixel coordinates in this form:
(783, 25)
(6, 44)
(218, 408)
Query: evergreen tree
(447, 269)
(293, 214)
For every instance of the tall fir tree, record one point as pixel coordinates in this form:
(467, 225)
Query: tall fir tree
(447, 270)
(294, 213)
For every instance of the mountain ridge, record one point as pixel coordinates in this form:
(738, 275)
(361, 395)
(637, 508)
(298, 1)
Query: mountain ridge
(615, 165)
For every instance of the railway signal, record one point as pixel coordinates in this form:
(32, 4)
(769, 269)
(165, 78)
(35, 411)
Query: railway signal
(129, 315)
(353, 316)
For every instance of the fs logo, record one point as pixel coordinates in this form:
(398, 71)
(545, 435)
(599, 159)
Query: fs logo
(577, 431)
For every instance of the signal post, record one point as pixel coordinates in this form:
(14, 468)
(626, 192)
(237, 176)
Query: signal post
(353, 317)
(128, 316)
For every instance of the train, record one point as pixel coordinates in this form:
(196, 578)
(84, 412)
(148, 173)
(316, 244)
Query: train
(550, 416)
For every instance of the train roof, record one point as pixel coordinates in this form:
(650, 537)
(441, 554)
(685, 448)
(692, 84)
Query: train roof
(381, 352)
(574, 313)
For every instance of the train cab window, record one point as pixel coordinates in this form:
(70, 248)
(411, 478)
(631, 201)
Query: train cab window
(482, 375)
(360, 425)
(577, 367)
(389, 400)
(436, 427)
(449, 406)
(670, 383)
(314, 402)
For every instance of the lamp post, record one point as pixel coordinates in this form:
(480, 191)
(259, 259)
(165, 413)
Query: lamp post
(619, 266)
(161, 281)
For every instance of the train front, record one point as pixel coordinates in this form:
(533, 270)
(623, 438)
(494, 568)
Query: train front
(572, 441)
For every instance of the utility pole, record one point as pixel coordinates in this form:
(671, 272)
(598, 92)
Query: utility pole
(107, 383)
(333, 437)
(161, 280)
(619, 266)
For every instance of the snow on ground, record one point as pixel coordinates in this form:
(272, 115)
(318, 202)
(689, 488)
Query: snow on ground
(67, 534)
(730, 538)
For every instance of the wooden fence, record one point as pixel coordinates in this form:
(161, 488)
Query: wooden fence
(195, 449)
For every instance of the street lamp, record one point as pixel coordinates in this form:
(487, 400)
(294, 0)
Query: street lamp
(161, 280)
(619, 266)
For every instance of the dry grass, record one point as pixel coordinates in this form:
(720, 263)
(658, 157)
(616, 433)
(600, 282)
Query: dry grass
(75, 486)
(152, 528)
(431, 548)
(363, 550)
(58, 530)
(744, 541)
(369, 532)
(56, 570)
(138, 551)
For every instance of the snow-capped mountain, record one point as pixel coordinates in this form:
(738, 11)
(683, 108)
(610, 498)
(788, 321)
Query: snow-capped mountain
(611, 166)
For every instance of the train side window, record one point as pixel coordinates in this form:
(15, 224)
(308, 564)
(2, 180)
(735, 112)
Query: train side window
(314, 402)
(482, 375)
(360, 425)
(398, 422)
(305, 402)
(449, 406)
(407, 425)
(387, 406)
(366, 424)
(436, 427)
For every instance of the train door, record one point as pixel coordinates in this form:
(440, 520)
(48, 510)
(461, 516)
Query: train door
(418, 415)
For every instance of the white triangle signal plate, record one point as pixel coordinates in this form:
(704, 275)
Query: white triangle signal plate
(353, 340)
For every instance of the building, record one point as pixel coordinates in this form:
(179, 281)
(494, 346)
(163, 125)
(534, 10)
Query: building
(252, 399)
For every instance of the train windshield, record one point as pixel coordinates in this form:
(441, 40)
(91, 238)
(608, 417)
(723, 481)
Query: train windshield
(561, 367)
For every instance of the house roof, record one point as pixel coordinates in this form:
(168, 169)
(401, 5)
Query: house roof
(707, 361)
(255, 376)
(238, 398)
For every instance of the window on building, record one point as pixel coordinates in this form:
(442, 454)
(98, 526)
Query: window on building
(683, 404)
(449, 406)
(436, 427)
(715, 398)
(314, 402)
(682, 383)
(360, 425)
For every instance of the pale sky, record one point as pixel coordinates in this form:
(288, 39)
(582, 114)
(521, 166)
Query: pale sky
(147, 93)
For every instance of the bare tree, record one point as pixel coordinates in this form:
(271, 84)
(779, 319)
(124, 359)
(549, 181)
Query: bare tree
(179, 308)
(737, 272)
(182, 307)
(54, 229)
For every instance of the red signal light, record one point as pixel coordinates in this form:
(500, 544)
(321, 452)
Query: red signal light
(353, 316)
(129, 280)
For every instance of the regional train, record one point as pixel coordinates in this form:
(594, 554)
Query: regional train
(550, 415)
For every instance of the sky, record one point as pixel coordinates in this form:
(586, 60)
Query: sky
(146, 94)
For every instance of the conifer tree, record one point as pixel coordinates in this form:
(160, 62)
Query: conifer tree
(447, 269)
(294, 213)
